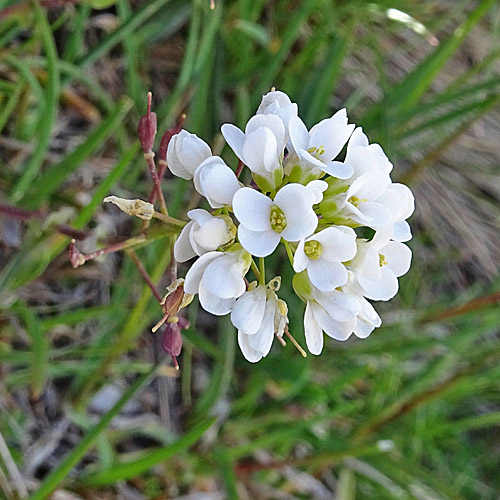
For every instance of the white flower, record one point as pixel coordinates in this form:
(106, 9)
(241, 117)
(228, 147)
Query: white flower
(216, 182)
(318, 147)
(263, 222)
(364, 157)
(260, 147)
(400, 201)
(322, 255)
(367, 319)
(318, 188)
(379, 263)
(258, 315)
(218, 278)
(364, 203)
(334, 313)
(204, 233)
(278, 103)
(185, 153)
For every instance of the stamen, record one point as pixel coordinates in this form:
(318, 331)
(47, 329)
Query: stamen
(295, 343)
(278, 219)
(381, 260)
(313, 249)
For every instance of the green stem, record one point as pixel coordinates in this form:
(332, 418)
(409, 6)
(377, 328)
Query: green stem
(262, 278)
(288, 251)
(255, 269)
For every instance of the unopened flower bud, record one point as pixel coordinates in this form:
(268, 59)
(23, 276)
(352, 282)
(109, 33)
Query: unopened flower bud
(147, 128)
(171, 341)
(142, 209)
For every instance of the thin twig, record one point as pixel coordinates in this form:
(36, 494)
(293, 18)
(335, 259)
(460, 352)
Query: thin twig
(144, 274)
(14, 473)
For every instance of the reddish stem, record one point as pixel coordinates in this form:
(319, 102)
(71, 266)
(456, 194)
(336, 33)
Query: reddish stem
(240, 168)
(145, 275)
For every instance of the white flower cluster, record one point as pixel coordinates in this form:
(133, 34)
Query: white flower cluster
(318, 207)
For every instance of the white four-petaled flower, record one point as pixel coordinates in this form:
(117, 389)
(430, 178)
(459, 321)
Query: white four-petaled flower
(322, 255)
(185, 153)
(258, 315)
(204, 233)
(263, 221)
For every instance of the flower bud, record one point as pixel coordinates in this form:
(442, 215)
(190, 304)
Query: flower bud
(216, 182)
(171, 341)
(185, 152)
(142, 209)
(147, 128)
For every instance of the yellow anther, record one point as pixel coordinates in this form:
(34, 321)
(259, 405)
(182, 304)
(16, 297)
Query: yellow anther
(381, 260)
(313, 249)
(277, 219)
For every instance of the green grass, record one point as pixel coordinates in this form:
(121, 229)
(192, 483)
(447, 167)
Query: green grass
(412, 412)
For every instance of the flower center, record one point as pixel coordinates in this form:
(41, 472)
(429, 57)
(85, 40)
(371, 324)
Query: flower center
(381, 260)
(278, 219)
(313, 249)
(317, 152)
(354, 200)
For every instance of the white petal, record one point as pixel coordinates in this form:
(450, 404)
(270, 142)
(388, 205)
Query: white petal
(223, 278)
(252, 209)
(313, 332)
(300, 228)
(276, 99)
(339, 245)
(259, 150)
(174, 164)
(263, 339)
(271, 122)
(192, 151)
(402, 231)
(383, 289)
(199, 215)
(195, 273)
(183, 250)
(235, 138)
(326, 275)
(340, 306)
(250, 354)
(369, 186)
(248, 311)
(375, 214)
(398, 257)
(331, 134)
(295, 200)
(335, 329)
(358, 138)
(214, 304)
(317, 187)
(300, 259)
(210, 236)
(258, 243)
(338, 169)
(216, 181)
(362, 329)
(299, 136)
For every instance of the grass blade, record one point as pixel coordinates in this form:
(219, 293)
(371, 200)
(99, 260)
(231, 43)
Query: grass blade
(134, 468)
(59, 474)
(51, 180)
(50, 111)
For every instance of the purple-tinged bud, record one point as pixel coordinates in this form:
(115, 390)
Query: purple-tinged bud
(165, 140)
(171, 341)
(147, 128)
